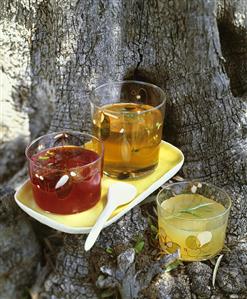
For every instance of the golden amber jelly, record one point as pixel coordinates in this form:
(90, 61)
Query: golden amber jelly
(131, 134)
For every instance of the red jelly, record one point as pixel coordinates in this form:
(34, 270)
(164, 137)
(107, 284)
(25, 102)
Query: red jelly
(66, 179)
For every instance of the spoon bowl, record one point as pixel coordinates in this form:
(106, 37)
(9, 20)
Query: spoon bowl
(118, 194)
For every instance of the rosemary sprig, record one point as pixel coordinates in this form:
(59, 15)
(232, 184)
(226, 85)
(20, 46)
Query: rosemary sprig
(197, 207)
(190, 210)
(43, 158)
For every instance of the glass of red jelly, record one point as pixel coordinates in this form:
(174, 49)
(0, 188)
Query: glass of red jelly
(65, 170)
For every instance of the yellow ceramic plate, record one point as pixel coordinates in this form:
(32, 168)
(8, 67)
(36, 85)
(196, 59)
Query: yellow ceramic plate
(170, 161)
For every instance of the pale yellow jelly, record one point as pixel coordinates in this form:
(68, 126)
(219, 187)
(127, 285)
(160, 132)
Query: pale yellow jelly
(192, 223)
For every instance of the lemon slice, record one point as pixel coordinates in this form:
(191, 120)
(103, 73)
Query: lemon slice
(192, 242)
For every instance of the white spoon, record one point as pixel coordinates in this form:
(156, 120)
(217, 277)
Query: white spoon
(118, 194)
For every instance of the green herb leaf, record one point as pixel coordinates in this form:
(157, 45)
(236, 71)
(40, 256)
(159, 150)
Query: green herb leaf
(109, 250)
(43, 158)
(139, 246)
(149, 220)
(197, 207)
(107, 293)
(173, 265)
(153, 229)
(190, 210)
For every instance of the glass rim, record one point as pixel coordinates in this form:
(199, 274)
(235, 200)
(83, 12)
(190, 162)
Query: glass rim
(225, 212)
(68, 132)
(163, 97)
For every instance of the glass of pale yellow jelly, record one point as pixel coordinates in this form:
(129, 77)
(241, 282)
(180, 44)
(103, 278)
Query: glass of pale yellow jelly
(192, 218)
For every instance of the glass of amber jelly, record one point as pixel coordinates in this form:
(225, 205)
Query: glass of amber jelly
(128, 117)
(65, 170)
(192, 218)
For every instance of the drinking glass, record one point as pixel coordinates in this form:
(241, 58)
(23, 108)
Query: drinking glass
(192, 218)
(65, 170)
(128, 117)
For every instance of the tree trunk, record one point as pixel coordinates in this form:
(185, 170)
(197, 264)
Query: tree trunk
(196, 51)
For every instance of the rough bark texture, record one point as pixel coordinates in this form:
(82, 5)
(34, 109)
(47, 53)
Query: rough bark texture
(196, 51)
(20, 251)
(15, 90)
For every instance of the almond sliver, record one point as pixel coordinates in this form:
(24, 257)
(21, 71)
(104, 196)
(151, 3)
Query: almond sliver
(204, 237)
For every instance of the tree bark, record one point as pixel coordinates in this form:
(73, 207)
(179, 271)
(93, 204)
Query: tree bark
(196, 51)
(20, 251)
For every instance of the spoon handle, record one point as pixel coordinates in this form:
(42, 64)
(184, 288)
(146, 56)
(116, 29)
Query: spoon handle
(96, 229)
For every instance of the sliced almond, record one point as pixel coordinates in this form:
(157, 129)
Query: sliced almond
(62, 181)
(204, 237)
(193, 189)
(125, 150)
